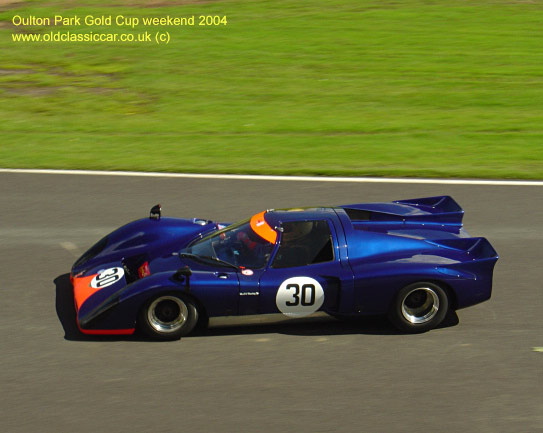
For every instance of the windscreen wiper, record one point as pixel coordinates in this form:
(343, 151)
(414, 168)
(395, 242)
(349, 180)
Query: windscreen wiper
(207, 259)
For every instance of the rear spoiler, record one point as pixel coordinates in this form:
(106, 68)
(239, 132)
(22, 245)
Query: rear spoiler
(441, 210)
(476, 248)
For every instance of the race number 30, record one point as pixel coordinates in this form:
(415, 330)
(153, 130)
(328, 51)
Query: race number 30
(299, 296)
(107, 278)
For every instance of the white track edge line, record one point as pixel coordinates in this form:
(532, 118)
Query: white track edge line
(279, 178)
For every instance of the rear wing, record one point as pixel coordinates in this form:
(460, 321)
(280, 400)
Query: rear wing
(442, 210)
(476, 248)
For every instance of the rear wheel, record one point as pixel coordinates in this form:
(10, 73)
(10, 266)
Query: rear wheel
(168, 316)
(419, 307)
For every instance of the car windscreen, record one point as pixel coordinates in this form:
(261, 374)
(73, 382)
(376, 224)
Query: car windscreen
(237, 244)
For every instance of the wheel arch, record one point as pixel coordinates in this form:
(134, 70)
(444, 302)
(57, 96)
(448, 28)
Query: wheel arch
(420, 314)
(147, 296)
(451, 294)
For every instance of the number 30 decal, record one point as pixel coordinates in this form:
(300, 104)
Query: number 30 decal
(107, 278)
(299, 296)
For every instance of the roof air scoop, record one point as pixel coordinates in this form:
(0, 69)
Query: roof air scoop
(156, 212)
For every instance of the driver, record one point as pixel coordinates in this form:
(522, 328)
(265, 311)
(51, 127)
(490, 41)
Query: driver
(244, 238)
(296, 231)
(255, 252)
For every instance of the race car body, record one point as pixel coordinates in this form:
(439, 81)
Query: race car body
(410, 259)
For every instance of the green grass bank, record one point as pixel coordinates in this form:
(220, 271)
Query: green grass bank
(345, 87)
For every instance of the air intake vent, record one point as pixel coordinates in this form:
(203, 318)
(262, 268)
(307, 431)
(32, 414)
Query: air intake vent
(358, 215)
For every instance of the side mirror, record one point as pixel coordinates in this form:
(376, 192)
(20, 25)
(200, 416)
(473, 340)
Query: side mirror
(184, 273)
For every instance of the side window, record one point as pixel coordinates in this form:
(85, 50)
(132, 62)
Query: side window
(304, 243)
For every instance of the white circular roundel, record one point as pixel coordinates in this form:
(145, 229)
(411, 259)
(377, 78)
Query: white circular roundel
(299, 296)
(107, 278)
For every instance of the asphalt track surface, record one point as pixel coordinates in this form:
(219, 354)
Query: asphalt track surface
(480, 372)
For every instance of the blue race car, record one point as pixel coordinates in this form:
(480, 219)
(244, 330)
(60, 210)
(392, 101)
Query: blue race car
(409, 259)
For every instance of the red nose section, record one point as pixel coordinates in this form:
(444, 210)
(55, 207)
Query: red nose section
(82, 292)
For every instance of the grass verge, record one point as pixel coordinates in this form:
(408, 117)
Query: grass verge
(398, 88)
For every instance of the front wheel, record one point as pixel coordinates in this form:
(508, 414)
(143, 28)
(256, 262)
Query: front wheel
(168, 316)
(419, 307)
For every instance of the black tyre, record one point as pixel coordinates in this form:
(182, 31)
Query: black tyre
(168, 316)
(419, 307)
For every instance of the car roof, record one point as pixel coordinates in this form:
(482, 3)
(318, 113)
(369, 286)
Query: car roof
(274, 217)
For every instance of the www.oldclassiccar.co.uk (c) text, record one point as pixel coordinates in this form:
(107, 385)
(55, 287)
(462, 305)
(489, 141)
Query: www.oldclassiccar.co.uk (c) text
(68, 36)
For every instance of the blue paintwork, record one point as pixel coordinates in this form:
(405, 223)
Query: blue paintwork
(378, 249)
(148, 237)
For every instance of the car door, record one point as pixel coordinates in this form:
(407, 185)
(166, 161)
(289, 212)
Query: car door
(305, 274)
(217, 287)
